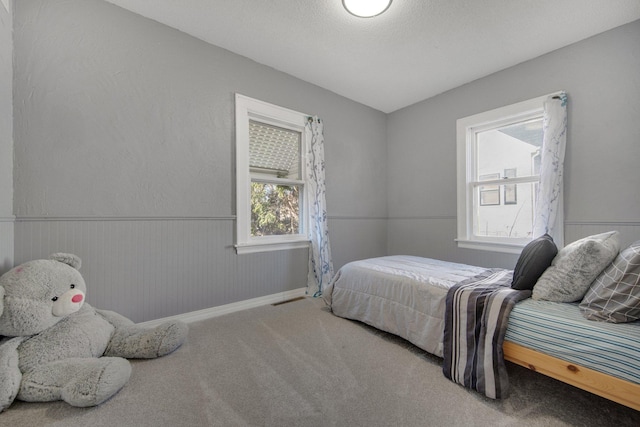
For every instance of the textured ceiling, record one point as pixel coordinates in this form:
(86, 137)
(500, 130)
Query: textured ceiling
(415, 50)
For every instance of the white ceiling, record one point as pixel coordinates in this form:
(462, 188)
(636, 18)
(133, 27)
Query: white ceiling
(417, 49)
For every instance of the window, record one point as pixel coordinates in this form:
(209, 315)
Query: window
(498, 175)
(270, 142)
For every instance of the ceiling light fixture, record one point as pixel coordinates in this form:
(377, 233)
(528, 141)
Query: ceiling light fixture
(366, 8)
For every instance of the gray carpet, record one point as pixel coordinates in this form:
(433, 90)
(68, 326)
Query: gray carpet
(296, 364)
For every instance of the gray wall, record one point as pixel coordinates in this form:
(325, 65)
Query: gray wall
(602, 78)
(6, 138)
(124, 154)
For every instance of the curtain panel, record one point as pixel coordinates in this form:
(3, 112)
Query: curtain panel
(320, 262)
(549, 198)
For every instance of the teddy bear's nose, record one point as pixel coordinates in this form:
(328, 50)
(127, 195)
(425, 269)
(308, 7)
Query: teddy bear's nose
(67, 303)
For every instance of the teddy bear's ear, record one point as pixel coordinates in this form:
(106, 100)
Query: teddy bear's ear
(70, 259)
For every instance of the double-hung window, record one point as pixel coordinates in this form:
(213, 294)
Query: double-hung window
(498, 162)
(270, 178)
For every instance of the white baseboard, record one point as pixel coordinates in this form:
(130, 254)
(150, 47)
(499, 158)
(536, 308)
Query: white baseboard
(221, 310)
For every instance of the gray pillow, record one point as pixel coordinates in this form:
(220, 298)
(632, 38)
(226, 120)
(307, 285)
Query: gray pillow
(575, 267)
(615, 295)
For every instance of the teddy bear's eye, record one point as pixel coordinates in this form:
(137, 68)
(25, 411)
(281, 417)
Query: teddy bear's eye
(73, 286)
(54, 299)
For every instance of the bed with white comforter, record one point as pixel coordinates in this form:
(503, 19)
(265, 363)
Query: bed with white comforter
(403, 295)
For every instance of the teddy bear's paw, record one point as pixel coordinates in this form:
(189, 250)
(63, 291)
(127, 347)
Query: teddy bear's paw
(9, 386)
(173, 336)
(137, 342)
(96, 381)
(10, 375)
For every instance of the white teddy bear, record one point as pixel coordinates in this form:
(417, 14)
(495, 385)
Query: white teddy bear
(55, 346)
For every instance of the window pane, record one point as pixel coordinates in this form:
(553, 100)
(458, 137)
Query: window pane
(510, 147)
(274, 150)
(274, 209)
(505, 210)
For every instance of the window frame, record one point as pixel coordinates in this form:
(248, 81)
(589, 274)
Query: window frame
(466, 129)
(247, 109)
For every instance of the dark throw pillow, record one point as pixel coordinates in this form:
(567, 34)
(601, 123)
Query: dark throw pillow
(535, 258)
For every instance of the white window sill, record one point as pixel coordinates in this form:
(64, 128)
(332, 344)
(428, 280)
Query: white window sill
(502, 247)
(250, 248)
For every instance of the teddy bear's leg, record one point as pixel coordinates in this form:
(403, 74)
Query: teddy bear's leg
(78, 381)
(137, 342)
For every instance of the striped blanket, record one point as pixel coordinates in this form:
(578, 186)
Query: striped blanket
(476, 315)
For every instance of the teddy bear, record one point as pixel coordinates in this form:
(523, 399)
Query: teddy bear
(55, 346)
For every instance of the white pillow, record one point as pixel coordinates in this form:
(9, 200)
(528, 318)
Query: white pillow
(575, 267)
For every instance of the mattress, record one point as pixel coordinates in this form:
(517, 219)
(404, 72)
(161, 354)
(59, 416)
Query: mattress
(403, 295)
(559, 330)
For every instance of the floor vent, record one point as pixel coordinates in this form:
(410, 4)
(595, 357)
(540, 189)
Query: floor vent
(288, 301)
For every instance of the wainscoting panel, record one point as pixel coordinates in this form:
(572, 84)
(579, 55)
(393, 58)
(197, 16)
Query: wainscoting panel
(150, 268)
(629, 231)
(6, 244)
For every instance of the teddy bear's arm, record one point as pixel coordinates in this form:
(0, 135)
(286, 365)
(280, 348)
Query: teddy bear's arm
(116, 319)
(10, 375)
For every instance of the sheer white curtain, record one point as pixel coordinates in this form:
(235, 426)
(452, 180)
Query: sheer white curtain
(320, 263)
(549, 200)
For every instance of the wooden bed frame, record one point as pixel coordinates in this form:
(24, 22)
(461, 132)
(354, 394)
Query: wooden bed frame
(612, 388)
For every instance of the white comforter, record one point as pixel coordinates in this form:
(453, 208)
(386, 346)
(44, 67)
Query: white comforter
(403, 295)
